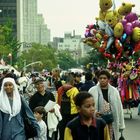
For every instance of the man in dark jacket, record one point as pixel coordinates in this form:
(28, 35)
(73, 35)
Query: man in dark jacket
(88, 82)
(41, 97)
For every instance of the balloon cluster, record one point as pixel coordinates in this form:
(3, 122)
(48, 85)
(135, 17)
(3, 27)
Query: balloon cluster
(116, 33)
(129, 69)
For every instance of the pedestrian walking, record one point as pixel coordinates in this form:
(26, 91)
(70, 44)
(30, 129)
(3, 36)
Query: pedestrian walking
(88, 82)
(85, 126)
(39, 113)
(65, 99)
(11, 112)
(41, 98)
(107, 101)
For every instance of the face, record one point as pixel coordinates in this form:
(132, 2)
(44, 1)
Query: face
(78, 78)
(103, 80)
(33, 78)
(88, 108)
(8, 87)
(40, 86)
(37, 116)
(55, 73)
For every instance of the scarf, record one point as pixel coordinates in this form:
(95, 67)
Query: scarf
(4, 101)
(100, 96)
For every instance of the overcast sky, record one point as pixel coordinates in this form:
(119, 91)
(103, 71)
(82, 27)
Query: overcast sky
(68, 15)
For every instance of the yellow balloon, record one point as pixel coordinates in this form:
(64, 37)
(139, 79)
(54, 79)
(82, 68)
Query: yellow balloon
(118, 30)
(136, 34)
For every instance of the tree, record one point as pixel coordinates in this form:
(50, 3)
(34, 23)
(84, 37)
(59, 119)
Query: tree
(95, 58)
(38, 52)
(65, 60)
(8, 42)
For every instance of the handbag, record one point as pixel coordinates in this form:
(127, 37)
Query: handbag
(30, 130)
(107, 116)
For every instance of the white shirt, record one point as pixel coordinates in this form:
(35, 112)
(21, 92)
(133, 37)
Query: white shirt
(43, 131)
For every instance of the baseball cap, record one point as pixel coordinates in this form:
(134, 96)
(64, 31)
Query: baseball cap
(38, 79)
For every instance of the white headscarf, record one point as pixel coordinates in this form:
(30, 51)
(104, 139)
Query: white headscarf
(4, 101)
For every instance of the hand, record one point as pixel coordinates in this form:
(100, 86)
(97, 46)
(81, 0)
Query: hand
(98, 114)
(52, 110)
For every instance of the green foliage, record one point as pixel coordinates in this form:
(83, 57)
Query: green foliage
(37, 52)
(65, 60)
(95, 58)
(8, 42)
(136, 56)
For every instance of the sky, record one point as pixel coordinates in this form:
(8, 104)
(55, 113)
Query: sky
(67, 15)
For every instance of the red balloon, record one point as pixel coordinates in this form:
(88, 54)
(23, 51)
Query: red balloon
(118, 45)
(107, 55)
(137, 47)
(119, 55)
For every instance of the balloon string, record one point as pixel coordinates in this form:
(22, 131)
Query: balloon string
(114, 5)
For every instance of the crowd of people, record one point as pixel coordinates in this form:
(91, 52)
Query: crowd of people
(85, 107)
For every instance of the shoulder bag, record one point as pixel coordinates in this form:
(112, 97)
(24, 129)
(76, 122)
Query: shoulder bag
(30, 130)
(107, 116)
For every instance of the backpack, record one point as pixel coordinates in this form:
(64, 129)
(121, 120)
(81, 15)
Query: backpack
(65, 104)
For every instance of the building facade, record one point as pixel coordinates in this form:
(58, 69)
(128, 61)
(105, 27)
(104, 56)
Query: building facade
(8, 12)
(28, 25)
(31, 25)
(74, 44)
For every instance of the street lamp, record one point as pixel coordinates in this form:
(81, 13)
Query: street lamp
(10, 57)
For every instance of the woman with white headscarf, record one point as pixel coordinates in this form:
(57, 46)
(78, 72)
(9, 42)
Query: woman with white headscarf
(11, 115)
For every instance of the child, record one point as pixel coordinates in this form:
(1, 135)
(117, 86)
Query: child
(39, 112)
(86, 126)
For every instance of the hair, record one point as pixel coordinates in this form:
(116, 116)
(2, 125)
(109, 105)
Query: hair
(40, 110)
(77, 74)
(104, 72)
(70, 79)
(12, 70)
(81, 97)
(57, 70)
(88, 76)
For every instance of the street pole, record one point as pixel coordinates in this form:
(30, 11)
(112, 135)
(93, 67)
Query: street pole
(10, 57)
(24, 68)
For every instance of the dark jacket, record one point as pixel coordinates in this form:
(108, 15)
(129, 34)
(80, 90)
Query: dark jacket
(87, 85)
(80, 131)
(38, 100)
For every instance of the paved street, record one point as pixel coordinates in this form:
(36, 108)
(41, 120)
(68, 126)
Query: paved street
(132, 131)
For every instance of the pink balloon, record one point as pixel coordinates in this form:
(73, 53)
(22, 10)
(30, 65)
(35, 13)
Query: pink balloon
(128, 28)
(131, 17)
(124, 21)
(136, 23)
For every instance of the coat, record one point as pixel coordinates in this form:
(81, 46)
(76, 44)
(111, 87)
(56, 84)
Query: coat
(87, 85)
(116, 106)
(14, 129)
